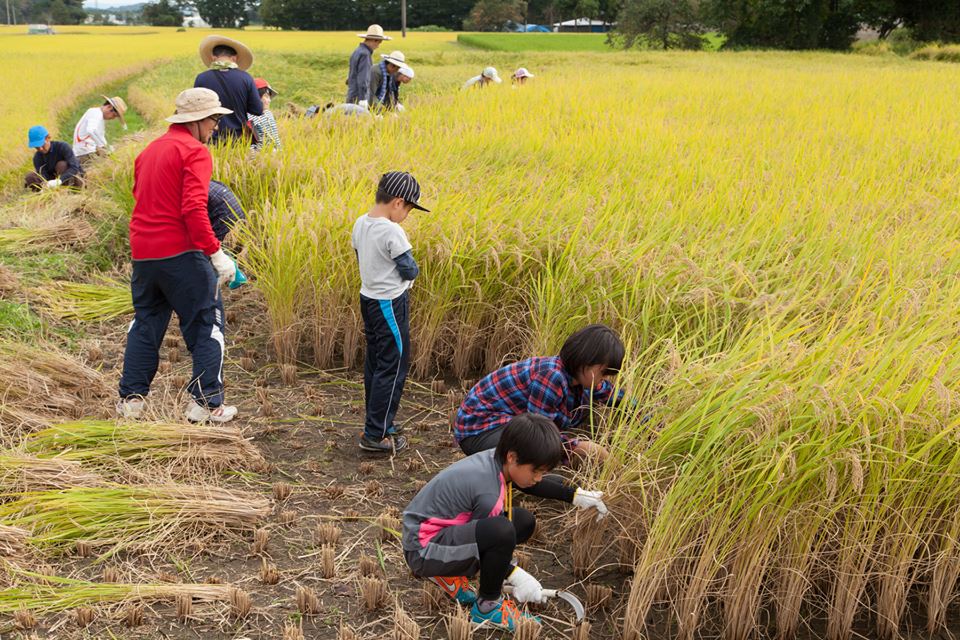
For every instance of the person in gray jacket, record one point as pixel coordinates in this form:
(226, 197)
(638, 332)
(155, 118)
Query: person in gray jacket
(361, 61)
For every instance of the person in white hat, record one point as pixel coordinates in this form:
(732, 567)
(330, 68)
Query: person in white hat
(178, 264)
(90, 134)
(486, 77)
(228, 61)
(361, 62)
(384, 81)
(520, 76)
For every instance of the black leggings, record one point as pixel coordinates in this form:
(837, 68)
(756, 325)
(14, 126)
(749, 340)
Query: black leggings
(496, 539)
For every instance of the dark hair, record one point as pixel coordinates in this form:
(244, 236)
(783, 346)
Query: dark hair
(224, 50)
(385, 198)
(594, 344)
(534, 439)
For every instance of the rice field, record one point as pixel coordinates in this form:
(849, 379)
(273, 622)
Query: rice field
(775, 235)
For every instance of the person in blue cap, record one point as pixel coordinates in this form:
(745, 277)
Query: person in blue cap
(54, 163)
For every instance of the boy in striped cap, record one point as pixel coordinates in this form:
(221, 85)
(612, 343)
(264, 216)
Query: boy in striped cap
(387, 270)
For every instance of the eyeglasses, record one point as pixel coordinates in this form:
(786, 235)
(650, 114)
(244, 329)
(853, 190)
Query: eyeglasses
(215, 117)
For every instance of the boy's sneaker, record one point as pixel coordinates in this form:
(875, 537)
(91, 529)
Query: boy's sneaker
(387, 445)
(457, 588)
(505, 615)
(131, 408)
(395, 430)
(223, 413)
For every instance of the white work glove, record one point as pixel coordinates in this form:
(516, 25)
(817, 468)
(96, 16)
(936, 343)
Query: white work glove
(225, 267)
(364, 104)
(400, 107)
(53, 184)
(526, 588)
(587, 499)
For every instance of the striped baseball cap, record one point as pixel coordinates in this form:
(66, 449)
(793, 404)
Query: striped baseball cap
(401, 184)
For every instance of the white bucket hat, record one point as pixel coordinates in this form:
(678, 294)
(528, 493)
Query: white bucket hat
(196, 104)
(492, 74)
(395, 57)
(406, 70)
(523, 73)
(374, 32)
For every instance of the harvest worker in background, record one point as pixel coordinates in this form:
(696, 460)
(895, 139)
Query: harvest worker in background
(486, 77)
(361, 62)
(224, 209)
(228, 78)
(90, 134)
(563, 388)
(387, 271)
(178, 264)
(519, 77)
(265, 126)
(385, 81)
(54, 163)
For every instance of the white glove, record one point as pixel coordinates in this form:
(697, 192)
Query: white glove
(364, 104)
(587, 499)
(225, 267)
(400, 107)
(525, 587)
(53, 184)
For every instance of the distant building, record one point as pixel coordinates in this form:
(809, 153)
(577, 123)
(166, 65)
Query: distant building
(194, 20)
(582, 25)
(40, 29)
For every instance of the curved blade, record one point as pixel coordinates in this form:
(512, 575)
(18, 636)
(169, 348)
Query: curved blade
(574, 602)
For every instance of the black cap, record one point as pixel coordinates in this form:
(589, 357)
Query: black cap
(401, 184)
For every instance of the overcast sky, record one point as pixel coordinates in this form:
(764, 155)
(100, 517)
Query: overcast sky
(103, 4)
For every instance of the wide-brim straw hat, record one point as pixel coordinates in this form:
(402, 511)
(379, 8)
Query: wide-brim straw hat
(196, 104)
(374, 32)
(244, 55)
(395, 57)
(119, 106)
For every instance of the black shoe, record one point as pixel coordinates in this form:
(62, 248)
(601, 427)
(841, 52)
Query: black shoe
(387, 445)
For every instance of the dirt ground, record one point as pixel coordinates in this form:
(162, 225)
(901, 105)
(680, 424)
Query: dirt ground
(308, 432)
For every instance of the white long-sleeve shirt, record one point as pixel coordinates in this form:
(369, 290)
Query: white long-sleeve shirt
(90, 133)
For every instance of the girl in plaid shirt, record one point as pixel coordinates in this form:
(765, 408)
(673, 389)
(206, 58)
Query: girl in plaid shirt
(561, 388)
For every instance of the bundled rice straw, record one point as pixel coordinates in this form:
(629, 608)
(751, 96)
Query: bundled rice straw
(45, 598)
(98, 443)
(21, 473)
(137, 517)
(86, 302)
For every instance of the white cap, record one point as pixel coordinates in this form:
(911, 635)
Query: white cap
(492, 74)
(406, 70)
(522, 73)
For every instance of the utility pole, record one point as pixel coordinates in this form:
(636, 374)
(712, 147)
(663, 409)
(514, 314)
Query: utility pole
(403, 18)
(8, 12)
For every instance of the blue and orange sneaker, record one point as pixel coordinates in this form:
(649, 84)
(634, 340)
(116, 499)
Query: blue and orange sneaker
(457, 588)
(504, 616)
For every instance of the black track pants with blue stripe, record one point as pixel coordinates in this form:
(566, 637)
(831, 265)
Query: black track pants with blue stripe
(386, 324)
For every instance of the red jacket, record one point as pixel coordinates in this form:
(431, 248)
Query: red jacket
(171, 178)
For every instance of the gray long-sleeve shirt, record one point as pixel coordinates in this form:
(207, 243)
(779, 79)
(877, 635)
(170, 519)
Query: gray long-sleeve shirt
(358, 80)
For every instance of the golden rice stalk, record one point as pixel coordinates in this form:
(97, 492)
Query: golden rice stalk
(269, 574)
(346, 632)
(22, 473)
(12, 540)
(432, 599)
(281, 491)
(66, 594)
(101, 443)
(85, 302)
(581, 631)
(261, 540)
(327, 533)
(85, 616)
(24, 619)
(240, 604)
(328, 567)
(527, 629)
(404, 627)
(307, 601)
(292, 631)
(373, 593)
(388, 527)
(63, 232)
(598, 597)
(369, 567)
(458, 625)
(9, 281)
(133, 614)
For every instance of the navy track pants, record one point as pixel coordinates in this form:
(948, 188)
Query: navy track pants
(386, 324)
(186, 284)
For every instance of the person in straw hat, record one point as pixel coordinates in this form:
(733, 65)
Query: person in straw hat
(361, 62)
(228, 61)
(486, 77)
(90, 134)
(385, 81)
(178, 264)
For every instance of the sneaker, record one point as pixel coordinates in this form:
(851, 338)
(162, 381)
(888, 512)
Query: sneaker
(395, 430)
(457, 588)
(223, 413)
(131, 408)
(506, 615)
(389, 444)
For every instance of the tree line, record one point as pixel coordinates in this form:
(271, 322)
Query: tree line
(780, 24)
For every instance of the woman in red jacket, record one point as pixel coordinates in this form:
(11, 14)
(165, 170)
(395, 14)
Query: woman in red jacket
(177, 261)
